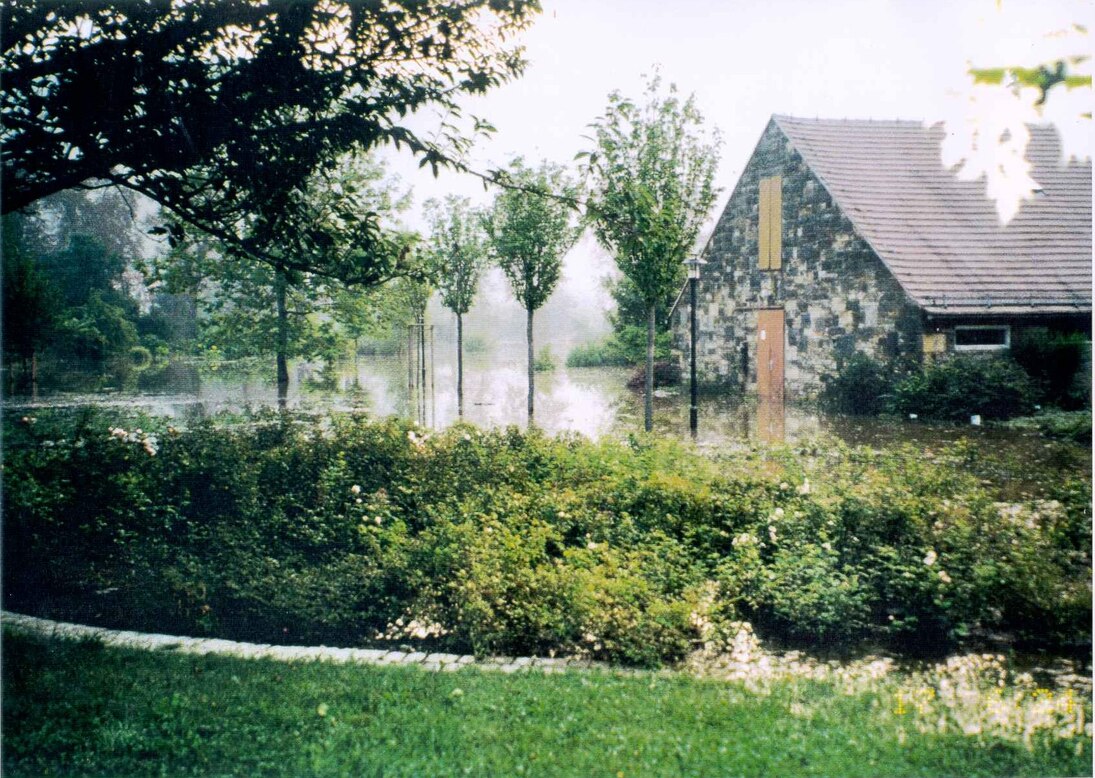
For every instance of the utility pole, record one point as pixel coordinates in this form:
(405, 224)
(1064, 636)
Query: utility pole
(693, 265)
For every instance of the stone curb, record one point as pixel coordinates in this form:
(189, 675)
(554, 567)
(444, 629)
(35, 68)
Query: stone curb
(365, 656)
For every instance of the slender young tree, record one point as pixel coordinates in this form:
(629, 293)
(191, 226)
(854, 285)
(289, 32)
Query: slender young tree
(528, 233)
(651, 175)
(455, 254)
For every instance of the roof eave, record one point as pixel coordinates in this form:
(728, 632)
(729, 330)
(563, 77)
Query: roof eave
(1022, 311)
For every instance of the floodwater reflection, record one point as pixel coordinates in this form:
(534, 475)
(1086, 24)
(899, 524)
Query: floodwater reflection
(594, 402)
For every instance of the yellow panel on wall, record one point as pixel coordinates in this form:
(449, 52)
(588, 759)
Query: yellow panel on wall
(764, 228)
(935, 342)
(775, 223)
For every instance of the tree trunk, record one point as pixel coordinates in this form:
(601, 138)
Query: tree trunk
(648, 405)
(280, 284)
(460, 365)
(531, 367)
(422, 367)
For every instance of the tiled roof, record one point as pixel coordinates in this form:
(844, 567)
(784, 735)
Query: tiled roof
(940, 236)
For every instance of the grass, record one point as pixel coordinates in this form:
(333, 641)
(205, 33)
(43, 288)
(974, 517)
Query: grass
(84, 709)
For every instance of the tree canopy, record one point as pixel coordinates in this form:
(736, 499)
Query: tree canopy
(652, 183)
(455, 250)
(651, 175)
(530, 229)
(225, 111)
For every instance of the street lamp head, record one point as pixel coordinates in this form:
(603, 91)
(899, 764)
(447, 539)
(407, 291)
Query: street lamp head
(694, 264)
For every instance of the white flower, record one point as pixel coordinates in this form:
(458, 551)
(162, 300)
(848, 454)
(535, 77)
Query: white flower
(376, 519)
(772, 533)
(805, 488)
(944, 577)
(744, 539)
(930, 557)
(355, 489)
(784, 486)
(827, 546)
(777, 513)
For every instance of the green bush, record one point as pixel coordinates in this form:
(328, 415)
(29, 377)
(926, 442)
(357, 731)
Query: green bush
(959, 387)
(666, 373)
(605, 354)
(544, 361)
(1053, 362)
(861, 387)
(1063, 425)
(342, 530)
(625, 347)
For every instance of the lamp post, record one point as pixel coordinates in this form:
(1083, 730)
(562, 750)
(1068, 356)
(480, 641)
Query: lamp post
(693, 264)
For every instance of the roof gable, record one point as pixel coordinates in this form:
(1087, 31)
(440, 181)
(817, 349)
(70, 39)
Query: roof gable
(940, 236)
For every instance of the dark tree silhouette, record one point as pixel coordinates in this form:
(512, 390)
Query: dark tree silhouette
(226, 111)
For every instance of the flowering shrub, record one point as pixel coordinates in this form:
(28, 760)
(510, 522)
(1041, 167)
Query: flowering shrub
(344, 530)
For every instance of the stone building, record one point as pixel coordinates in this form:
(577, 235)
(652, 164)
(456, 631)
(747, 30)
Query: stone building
(845, 236)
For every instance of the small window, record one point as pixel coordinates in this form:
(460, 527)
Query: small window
(982, 338)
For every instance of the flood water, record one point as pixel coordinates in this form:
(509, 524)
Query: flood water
(595, 402)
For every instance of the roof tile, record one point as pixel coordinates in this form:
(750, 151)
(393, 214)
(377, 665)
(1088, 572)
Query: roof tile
(939, 235)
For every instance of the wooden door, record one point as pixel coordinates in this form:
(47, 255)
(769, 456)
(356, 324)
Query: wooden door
(770, 353)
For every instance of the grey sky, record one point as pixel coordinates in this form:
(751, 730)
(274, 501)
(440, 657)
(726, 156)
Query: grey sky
(744, 60)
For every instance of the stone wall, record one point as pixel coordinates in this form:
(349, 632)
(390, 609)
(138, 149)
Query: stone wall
(837, 295)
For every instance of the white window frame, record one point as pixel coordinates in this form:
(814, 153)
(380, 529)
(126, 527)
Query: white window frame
(985, 347)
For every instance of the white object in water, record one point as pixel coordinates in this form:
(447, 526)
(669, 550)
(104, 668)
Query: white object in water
(914, 416)
(975, 420)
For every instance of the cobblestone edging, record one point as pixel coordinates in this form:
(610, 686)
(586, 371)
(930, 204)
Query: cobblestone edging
(366, 656)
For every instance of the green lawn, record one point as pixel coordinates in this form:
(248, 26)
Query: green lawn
(80, 708)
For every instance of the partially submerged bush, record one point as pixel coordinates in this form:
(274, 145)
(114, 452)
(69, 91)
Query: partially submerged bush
(350, 531)
(861, 387)
(623, 348)
(1063, 425)
(606, 354)
(666, 373)
(1053, 362)
(950, 390)
(957, 388)
(545, 361)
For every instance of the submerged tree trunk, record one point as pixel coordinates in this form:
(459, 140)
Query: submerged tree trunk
(459, 365)
(280, 285)
(422, 367)
(531, 366)
(648, 405)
